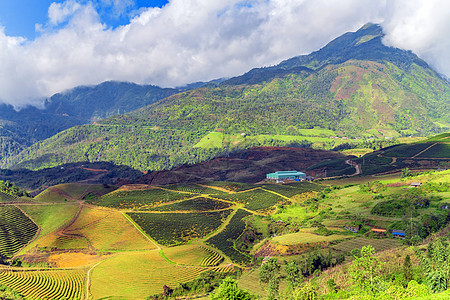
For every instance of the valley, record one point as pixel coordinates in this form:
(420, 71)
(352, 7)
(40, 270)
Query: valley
(127, 191)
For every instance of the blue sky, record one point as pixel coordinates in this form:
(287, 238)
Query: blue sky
(20, 17)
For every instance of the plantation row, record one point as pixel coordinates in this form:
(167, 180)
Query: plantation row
(178, 228)
(48, 284)
(138, 199)
(224, 241)
(256, 199)
(231, 186)
(16, 230)
(292, 189)
(7, 198)
(211, 260)
(196, 204)
(193, 189)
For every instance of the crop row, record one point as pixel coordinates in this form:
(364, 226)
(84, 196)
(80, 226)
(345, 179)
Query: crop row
(231, 186)
(178, 228)
(7, 198)
(16, 230)
(224, 241)
(48, 284)
(256, 199)
(437, 151)
(213, 259)
(138, 199)
(193, 189)
(196, 204)
(406, 150)
(292, 189)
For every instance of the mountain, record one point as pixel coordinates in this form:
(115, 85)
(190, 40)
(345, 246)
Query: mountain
(81, 105)
(354, 88)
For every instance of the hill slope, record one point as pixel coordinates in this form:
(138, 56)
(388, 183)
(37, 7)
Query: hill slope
(355, 87)
(81, 105)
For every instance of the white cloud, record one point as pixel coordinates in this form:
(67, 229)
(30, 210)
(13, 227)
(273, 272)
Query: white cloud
(192, 40)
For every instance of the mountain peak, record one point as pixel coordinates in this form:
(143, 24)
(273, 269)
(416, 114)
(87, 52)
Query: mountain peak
(363, 44)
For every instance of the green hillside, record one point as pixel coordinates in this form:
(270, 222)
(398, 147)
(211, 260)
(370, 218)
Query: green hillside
(364, 89)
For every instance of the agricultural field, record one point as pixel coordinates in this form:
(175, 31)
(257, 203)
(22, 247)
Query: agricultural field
(97, 229)
(135, 275)
(291, 189)
(16, 230)
(193, 255)
(192, 188)
(358, 243)
(224, 240)
(198, 204)
(406, 150)
(45, 284)
(232, 187)
(178, 228)
(73, 192)
(439, 150)
(307, 237)
(139, 199)
(255, 199)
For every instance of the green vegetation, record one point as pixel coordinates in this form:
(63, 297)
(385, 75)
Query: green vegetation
(138, 199)
(255, 199)
(45, 284)
(197, 204)
(16, 230)
(224, 241)
(10, 189)
(178, 228)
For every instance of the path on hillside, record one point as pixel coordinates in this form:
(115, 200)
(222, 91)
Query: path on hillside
(354, 165)
(141, 231)
(423, 150)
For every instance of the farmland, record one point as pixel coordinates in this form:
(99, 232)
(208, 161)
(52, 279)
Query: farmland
(171, 234)
(178, 228)
(224, 241)
(45, 284)
(196, 204)
(16, 230)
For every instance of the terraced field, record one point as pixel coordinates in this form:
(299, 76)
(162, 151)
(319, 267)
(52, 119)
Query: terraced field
(193, 255)
(197, 204)
(193, 189)
(292, 189)
(73, 191)
(255, 199)
(231, 186)
(45, 284)
(224, 241)
(178, 228)
(139, 199)
(16, 230)
(148, 270)
(98, 229)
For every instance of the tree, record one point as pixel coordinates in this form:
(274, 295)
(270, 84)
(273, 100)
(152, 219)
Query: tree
(294, 275)
(269, 274)
(229, 290)
(365, 271)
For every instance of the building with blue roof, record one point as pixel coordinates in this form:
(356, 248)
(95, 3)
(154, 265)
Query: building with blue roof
(286, 175)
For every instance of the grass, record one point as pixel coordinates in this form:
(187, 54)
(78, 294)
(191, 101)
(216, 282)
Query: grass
(306, 237)
(358, 243)
(178, 228)
(211, 140)
(291, 189)
(135, 275)
(406, 150)
(98, 229)
(72, 191)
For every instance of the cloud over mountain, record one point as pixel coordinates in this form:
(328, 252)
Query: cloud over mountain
(191, 40)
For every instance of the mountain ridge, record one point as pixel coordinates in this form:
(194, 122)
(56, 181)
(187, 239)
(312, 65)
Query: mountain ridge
(356, 98)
